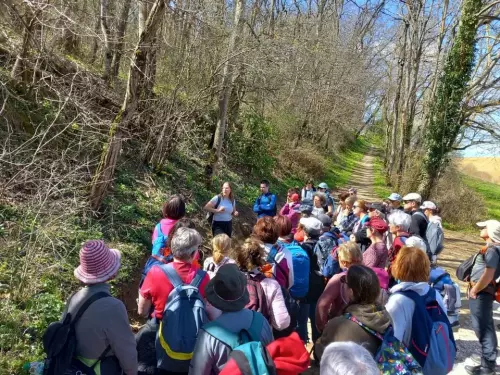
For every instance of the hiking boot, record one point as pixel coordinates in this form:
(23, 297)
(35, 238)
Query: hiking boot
(479, 370)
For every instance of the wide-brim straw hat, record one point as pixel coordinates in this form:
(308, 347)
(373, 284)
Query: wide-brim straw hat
(98, 263)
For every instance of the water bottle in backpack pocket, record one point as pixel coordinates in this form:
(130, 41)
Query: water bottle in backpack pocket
(183, 316)
(432, 342)
(250, 355)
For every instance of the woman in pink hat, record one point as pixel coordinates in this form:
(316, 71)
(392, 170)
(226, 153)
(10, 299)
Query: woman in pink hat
(103, 328)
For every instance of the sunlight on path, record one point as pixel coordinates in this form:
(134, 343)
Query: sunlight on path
(458, 247)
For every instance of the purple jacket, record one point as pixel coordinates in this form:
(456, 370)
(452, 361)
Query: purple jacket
(293, 214)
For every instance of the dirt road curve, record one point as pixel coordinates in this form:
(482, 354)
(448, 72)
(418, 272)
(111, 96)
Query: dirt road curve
(458, 247)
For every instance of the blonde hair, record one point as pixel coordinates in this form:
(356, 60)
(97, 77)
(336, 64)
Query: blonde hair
(221, 244)
(350, 252)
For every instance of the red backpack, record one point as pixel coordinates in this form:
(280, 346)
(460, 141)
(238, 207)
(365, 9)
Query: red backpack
(258, 301)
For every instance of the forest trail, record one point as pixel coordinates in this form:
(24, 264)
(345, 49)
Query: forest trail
(458, 247)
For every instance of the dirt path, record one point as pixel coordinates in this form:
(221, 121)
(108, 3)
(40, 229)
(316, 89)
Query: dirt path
(458, 247)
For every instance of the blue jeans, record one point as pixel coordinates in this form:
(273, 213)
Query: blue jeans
(305, 311)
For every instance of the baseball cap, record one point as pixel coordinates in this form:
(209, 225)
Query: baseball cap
(492, 227)
(377, 206)
(417, 242)
(306, 206)
(378, 224)
(311, 224)
(395, 197)
(323, 185)
(428, 205)
(325, 220)
(413, 197)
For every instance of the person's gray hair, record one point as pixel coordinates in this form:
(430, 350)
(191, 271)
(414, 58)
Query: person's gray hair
(321, 196)
(185, 241)
(400, 219)
(347, 358)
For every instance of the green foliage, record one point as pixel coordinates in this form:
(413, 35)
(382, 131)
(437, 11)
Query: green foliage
(490, 193)
(252, 146)
(445, 121)
(381, 189)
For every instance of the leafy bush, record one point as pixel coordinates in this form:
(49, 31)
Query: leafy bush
(251, 144)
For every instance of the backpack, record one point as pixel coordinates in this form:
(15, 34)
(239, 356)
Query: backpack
(154, 260)
(59, 343)
(301, 267)
(438, 278)
(432, 341)
(393, 357)
(331, 265)
(246, 349)
(210, 215)
(257, 298)
(160, 241)
(435, 237)
(183, 316)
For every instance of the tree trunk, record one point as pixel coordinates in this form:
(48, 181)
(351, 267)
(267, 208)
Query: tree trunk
(227, 79)
(106, 33)
(396, 106)
(31, 24)
(446, 113)
(106, 169)
(120, 34)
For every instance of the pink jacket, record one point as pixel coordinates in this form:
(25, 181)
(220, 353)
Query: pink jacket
(280, 319)
(293, 214)
(166, 225)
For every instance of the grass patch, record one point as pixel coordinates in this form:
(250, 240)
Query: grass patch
(379, 186)
(489, 191)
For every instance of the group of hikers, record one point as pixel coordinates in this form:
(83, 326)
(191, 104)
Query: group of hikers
(358, 283)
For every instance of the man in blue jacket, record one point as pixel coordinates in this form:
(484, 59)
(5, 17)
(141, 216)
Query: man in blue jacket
(265, 204)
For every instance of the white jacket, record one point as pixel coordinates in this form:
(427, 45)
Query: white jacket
(401, 308)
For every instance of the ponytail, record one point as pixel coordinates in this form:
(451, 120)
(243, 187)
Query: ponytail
(220, 245)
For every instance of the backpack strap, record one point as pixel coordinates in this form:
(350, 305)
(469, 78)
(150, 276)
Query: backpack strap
(158, 230)
(169, 271)
(200, 275)
(89, 301)
(218, 202)
(352, 318)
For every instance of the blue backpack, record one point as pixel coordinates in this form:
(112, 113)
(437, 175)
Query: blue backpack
(159, 242)
(250, 355)
(432, 342)
(393, 357)
(301, 268)
(183, 316)
(331, 265)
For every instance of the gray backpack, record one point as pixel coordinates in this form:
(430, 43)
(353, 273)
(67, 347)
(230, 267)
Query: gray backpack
(183, 317)
(435, 238)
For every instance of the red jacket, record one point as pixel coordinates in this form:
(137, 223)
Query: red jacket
(288, 353)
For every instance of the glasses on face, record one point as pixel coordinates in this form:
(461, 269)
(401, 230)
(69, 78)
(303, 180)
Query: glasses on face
(355, 206)
(405, 202)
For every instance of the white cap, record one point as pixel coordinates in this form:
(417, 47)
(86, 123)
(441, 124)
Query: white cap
(417, 242)
(428, 205)
(413, 197)
(311, 224)
(394, 197)
(493, 229)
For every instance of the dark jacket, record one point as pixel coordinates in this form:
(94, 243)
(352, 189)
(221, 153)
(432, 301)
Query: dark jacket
(316, 279)
(265, 205)
(341, 329)
(418, 224)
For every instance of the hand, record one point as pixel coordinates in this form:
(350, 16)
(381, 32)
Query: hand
(352, 238)
(221, 209)
(290, 204)
(236, 213)
(472, 293)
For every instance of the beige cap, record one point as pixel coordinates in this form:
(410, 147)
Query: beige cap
(493, 229)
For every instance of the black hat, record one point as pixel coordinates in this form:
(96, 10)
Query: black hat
(227, 291)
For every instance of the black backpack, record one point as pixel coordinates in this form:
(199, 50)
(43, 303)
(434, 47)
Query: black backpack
(59, 343)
